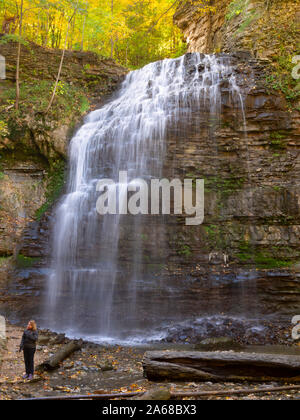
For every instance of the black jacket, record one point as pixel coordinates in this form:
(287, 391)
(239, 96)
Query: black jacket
(29, 339)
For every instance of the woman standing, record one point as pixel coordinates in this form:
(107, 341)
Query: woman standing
(28, 345)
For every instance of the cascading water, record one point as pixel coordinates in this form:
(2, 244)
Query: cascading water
(103, 282)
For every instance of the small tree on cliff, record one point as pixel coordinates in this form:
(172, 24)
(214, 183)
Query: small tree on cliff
(73, 7)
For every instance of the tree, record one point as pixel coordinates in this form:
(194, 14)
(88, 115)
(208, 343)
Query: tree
(133, 32)
(75, 7)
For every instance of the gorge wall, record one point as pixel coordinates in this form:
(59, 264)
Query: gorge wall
(263, 36)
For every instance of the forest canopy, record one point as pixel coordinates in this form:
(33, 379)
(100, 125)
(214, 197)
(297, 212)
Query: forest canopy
(133, 32)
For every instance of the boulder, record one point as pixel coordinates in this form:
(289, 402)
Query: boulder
(218, 343)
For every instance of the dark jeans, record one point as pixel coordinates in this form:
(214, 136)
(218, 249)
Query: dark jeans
(28, 359)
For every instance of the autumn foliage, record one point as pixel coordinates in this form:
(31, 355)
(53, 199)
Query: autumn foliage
(133, 32)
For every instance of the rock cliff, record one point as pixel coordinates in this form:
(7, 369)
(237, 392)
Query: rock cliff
(265, 28)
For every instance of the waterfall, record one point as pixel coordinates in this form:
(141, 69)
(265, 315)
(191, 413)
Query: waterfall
(105, 278)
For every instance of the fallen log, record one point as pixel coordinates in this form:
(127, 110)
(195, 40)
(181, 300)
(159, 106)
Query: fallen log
(221, 366)
(59, 356)
(247, 391)
(173, 394)
(86, 397)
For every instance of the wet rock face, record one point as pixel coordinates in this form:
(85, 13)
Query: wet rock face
(251, 173)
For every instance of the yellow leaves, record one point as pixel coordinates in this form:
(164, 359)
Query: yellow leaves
(137, 388)
(207, 9)
(99, 24)
(63, 388)
(203, 7)
(130, 388)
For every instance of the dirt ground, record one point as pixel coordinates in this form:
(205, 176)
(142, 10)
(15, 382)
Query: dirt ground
(97, 369)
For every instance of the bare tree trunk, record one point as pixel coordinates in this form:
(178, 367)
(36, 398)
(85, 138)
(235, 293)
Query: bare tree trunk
(59, 70)
(18, 59)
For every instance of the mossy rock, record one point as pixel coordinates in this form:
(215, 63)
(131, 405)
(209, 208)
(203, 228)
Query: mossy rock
(218, 343)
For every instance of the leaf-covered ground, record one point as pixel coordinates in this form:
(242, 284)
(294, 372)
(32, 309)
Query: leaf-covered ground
(97, 369)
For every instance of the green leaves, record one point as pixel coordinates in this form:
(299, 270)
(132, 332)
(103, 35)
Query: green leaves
(235, 8)
(5, 39)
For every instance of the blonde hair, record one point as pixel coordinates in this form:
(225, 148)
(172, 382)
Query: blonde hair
(33, 324)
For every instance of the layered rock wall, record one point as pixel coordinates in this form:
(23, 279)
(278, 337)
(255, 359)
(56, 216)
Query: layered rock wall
(261, 27)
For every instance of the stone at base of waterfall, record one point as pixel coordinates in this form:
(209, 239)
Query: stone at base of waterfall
(43, 340)
(59, 339)
(218, 343)
(106, 367)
